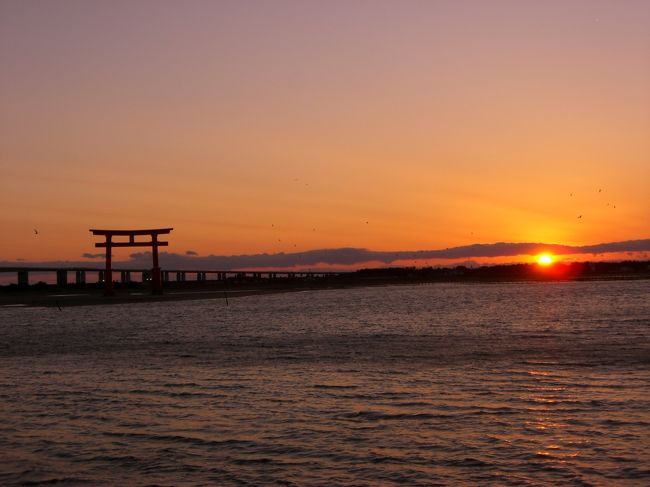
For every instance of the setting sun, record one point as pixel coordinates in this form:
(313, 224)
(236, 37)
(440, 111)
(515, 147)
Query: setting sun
(545, 259)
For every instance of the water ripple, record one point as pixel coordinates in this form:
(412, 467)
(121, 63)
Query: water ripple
(500, 384)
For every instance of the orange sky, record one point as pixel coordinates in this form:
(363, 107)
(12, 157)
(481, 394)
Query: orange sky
(279, 126)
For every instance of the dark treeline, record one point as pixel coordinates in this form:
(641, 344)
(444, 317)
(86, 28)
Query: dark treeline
(533, 271)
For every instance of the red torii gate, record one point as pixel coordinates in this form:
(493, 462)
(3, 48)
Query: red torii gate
(154, 243)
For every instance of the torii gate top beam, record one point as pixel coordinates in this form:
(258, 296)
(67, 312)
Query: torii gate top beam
(156, 231)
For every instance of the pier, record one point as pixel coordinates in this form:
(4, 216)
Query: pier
(82, 276)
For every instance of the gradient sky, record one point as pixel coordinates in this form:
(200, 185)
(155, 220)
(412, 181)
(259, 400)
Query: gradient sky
(275, 126)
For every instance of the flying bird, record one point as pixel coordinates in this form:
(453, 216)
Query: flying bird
(580, 216)
(35, 232)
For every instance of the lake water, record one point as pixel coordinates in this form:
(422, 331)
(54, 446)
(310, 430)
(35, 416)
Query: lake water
(442, 384)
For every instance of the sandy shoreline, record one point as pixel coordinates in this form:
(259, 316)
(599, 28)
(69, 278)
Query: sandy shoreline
(61, 299)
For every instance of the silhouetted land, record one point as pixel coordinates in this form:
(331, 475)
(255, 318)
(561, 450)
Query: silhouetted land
(41, 294)
(514, 272)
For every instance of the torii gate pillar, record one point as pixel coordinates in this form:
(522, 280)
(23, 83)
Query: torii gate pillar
(154, 243)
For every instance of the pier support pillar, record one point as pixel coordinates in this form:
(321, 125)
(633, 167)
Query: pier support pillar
(23, 278)
(80, 277)
(62, 278)
(146, 276)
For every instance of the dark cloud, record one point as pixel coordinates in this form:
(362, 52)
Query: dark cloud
(141, 255)
(357, 256)
(191, 252)
(352, 256)
(93, 256)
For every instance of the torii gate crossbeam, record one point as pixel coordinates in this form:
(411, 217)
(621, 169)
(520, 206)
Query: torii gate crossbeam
(154, 243)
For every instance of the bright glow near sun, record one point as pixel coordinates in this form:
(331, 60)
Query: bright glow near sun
(545, 259)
